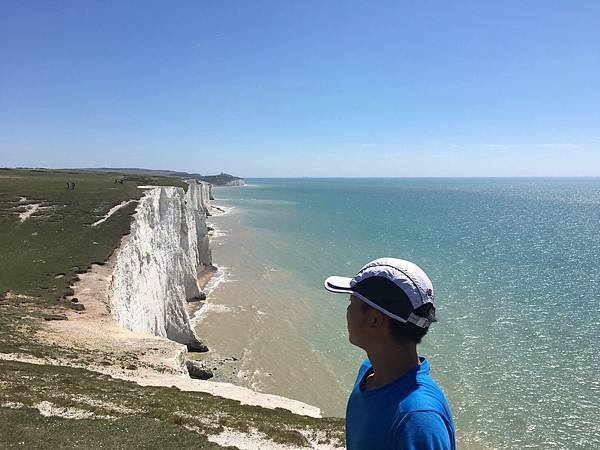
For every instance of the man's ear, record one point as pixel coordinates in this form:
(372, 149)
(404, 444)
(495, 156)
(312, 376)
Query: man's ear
(376, 319)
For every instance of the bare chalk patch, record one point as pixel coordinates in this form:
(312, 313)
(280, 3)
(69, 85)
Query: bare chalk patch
(254, 439)
(25, 211)
(113, 407)
(50, 410)
(113, 210)
(29, 211)
(13, 405)
(246, 441)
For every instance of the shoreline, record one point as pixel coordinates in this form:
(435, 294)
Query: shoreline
(134, 356)
(194, 307)
(209, 278)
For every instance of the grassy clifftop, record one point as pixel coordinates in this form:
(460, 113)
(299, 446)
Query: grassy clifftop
(43, 252)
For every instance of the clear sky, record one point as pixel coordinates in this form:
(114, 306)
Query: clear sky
(303, 88)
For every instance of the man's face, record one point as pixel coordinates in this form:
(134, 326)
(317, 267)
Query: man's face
(355, 317)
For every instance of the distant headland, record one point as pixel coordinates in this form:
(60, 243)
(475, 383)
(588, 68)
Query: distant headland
(222, 179)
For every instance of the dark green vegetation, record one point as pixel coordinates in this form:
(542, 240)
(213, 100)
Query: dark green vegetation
(126, 415)
(39, 259)
(218, 180)
(27, 428)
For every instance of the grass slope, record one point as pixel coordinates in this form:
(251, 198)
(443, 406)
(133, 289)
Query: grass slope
(125, 415)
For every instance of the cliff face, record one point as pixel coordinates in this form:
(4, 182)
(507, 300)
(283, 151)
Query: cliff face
(199, 196)
(156, 269)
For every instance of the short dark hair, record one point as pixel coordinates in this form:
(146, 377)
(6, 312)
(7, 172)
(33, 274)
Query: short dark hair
(402, 332)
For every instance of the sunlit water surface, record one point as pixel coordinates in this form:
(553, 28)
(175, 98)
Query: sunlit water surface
(515, 264)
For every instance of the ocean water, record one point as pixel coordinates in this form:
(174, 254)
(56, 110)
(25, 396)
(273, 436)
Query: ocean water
(516, 268)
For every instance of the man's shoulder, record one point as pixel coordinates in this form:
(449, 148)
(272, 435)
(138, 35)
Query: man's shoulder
(422, 429)
(425, 395)
(424, 417)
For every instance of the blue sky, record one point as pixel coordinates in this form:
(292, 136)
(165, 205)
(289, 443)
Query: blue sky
(304, 88)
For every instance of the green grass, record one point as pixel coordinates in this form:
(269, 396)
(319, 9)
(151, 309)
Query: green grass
(28, 429)
(149, 414)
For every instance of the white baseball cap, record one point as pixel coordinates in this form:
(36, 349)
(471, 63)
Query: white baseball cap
(393, 286)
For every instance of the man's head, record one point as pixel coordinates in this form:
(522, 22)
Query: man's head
(390, 299)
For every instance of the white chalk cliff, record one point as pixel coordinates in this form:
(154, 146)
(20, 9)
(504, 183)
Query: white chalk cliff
(156, 268)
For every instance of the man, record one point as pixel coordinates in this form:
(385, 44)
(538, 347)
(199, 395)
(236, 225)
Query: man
(394, 404)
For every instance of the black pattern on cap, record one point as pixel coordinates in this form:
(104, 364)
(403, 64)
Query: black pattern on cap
(385, 293)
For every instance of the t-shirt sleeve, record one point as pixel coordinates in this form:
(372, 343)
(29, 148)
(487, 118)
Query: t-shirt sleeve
(420, 430)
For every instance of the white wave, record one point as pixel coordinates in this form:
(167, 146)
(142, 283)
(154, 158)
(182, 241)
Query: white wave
(216, 233)
(210, 308)
(220, 276)
(219, 210)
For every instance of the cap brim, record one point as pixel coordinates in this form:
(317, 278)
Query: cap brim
(340, 285)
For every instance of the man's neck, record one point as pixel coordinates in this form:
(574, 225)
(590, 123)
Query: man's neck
(389, 364)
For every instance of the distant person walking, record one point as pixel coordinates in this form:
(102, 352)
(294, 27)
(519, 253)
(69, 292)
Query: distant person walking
(394, 404)
(73, 185)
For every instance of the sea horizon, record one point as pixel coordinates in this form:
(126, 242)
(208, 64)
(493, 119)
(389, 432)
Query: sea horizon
(253, 177)
(418, 177)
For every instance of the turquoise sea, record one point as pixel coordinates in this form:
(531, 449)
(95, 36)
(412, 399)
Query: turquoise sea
(516, 268)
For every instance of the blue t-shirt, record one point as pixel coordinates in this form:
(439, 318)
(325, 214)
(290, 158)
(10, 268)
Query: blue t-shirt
(410, 413)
